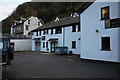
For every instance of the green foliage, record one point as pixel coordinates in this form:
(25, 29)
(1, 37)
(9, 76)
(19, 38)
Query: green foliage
(47, 11)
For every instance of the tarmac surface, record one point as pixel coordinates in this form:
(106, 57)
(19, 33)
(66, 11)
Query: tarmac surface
(48, 65)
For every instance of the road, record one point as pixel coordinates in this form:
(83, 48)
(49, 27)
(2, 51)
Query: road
(38, 65)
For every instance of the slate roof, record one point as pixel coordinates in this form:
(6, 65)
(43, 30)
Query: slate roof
(61, 23)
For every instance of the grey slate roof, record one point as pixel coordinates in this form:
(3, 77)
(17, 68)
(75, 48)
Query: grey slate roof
(54, 24)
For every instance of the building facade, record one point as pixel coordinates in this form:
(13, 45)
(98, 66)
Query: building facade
(100, 32)
(64, 32)
(24, 26)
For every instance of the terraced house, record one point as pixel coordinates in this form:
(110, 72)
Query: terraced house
(61, 32)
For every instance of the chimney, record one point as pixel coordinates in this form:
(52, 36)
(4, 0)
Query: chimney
(34, 13)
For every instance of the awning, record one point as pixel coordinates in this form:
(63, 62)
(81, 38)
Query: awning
(37, 39)
(53, 40)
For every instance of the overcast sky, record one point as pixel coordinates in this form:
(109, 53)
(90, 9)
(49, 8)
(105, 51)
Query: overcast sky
(7, 7)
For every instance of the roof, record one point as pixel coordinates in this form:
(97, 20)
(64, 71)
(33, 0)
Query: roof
(54, 24)
(84, 6)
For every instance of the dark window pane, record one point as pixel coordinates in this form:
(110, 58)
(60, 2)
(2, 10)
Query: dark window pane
(51, 31)
(46, 44)
(58, 30)
(43, 44)
(74, 28)
(105, 43)
(40, 33)
(28, 21)
(73, 44)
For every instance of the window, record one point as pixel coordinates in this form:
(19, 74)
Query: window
(46, 44)
(73, 28)
(40, 33)
(44, 32)
(43, 44)
(105, 13)
(58, 30)
(51, 31)
(38, 23)
(78, 27)
(27, 27)
(28, 21)
(37, 33)
(105, 43)
(73, 44)
(47, 31)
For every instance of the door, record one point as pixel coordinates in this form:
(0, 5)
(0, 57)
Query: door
(37, 46)
(52, 46)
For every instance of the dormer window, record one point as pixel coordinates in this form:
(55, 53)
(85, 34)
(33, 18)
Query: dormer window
(105, 13)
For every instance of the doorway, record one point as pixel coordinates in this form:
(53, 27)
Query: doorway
(37, 46)
(52, 46)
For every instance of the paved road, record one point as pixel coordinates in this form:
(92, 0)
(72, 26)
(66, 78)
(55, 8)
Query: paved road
(36, 65)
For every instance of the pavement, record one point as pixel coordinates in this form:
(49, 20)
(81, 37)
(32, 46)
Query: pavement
(49, 65)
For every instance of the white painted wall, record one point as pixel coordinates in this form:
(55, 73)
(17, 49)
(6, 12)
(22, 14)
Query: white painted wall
(22, 44)
(72, 36)
(33, 24)
(118, 44)
(119, 9)
(90, 40)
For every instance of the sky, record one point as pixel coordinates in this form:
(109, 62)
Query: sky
(8, 6)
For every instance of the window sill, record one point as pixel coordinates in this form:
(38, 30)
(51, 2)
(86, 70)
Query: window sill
(73, 48)
(105, 49)
(104, 19)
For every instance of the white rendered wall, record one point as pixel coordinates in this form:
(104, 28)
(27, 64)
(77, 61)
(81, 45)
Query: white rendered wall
(91, 40)
(72, 36)
(21, 44)
(119, 45)
(33, 24)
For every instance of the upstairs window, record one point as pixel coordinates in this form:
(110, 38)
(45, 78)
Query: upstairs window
(47, 31)
(73, 28)
(105, 13)
(51, 31)
(28, 21)
(105, 43)
(27, 27)
(43, 32)
(58, 30)
(40, 33)
(37, 33)
(73, 44)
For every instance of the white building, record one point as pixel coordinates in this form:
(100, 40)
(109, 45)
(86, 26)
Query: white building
(24, 26)
(99, 39)
(31, 24)
(64, 32)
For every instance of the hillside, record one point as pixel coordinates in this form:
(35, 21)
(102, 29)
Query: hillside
(47, 11)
